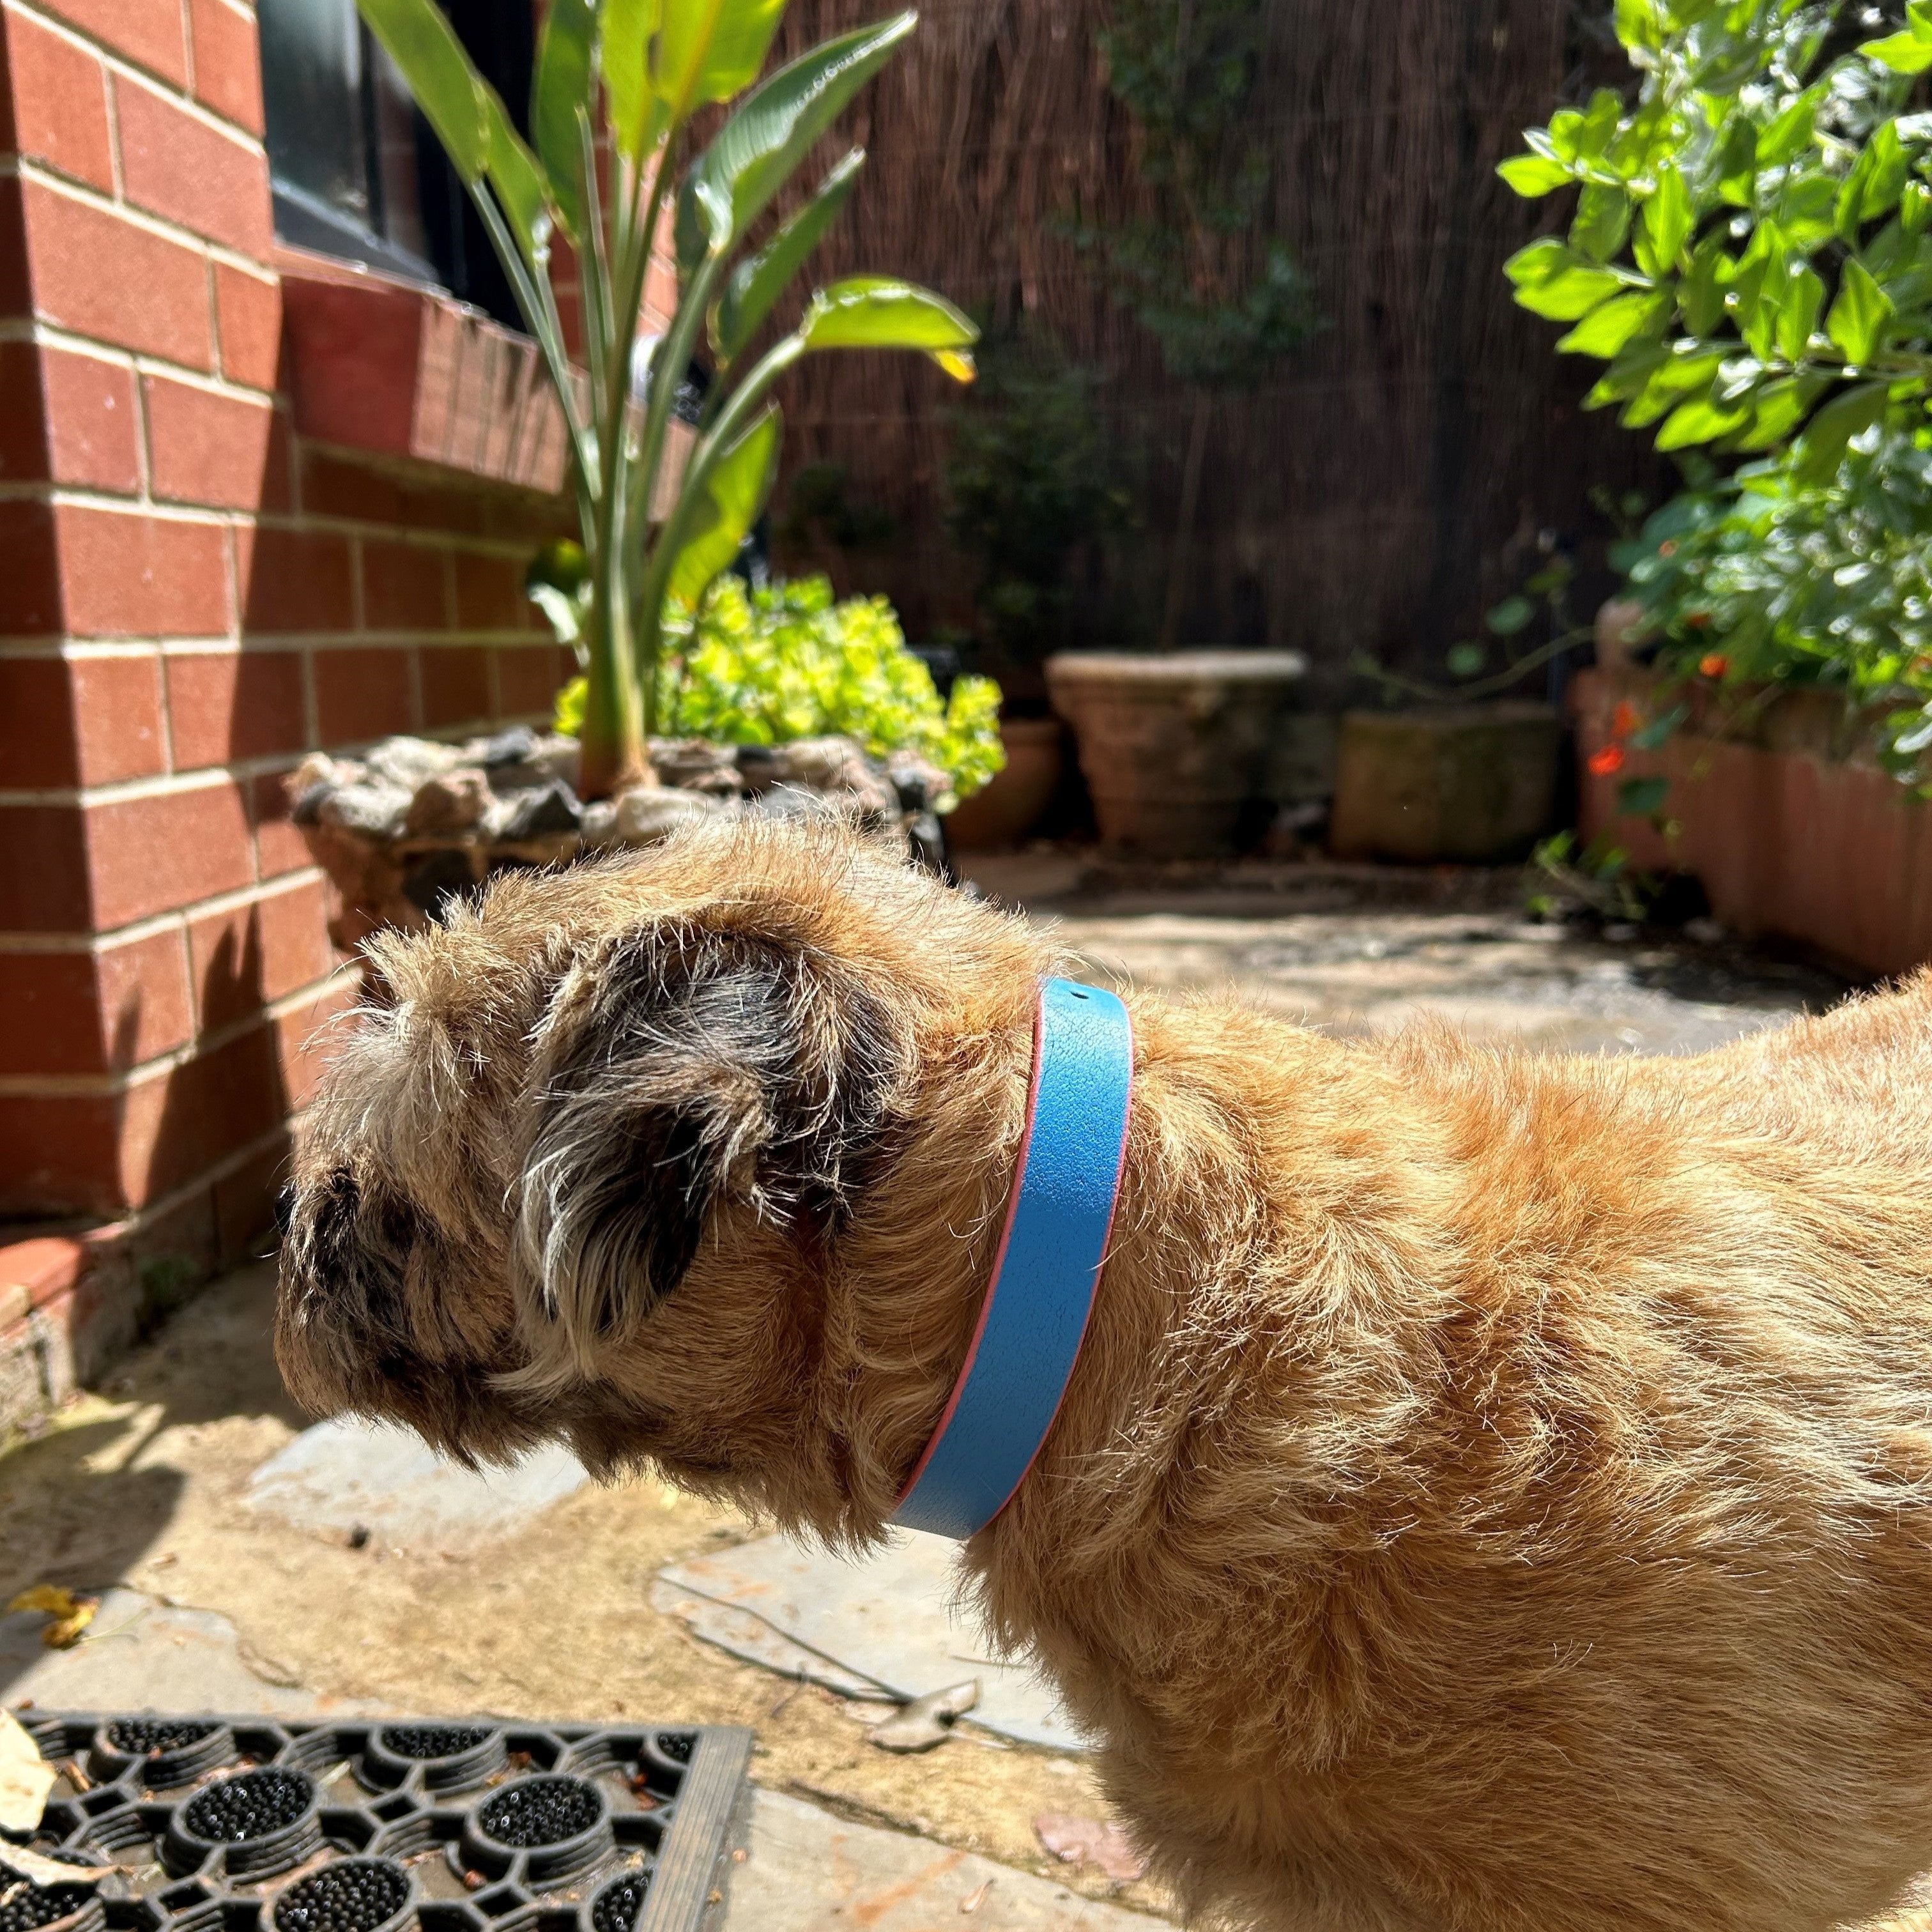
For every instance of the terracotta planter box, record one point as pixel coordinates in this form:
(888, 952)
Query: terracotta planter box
(1475, 784)
(1791, 827)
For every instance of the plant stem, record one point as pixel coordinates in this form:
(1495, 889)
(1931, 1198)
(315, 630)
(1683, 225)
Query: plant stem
(1184, 535)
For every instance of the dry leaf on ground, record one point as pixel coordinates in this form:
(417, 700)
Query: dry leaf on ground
(67, 1615)
(25, 1778)
(1076, 1841)
(38, 1869)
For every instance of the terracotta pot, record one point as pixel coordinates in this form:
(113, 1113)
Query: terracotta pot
(1474, 784)
(1000, 814)
(1174, 747)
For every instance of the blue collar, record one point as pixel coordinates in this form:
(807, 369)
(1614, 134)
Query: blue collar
(1045, 1272)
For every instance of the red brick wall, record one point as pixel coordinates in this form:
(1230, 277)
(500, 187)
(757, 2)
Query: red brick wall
(192, 597)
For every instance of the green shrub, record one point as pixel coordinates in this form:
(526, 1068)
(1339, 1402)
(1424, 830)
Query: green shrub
(768, 666)
(1769, 579)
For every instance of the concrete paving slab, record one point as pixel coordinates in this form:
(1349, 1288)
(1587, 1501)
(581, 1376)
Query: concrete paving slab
(346, 1475)
(141, 1655)
(890, 1620)
(810, 1872)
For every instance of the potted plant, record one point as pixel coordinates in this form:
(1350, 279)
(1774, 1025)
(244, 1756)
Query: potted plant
(657, 529)
(1031, 489)
(1177, 746)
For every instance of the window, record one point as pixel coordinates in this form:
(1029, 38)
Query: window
(357, 172)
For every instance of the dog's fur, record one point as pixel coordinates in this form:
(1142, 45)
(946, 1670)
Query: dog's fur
(1496, 1494)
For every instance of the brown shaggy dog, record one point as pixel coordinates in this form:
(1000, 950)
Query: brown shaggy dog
(1496, 1492)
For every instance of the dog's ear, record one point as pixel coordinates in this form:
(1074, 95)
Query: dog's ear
(682, 1069)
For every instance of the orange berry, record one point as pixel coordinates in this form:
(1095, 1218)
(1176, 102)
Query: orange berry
(1624, 721)
(1715, 665)
(1606, 763)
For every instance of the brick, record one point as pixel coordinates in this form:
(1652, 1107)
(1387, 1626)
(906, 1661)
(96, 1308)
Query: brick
(44, 885)
(333, 486)
(38, 1271)
(178, 166)
(248, 317)
(149, 32)
(220, 1103)
(455, 685)
(15, 298)
(102, 275)
(206, 448)
(405, 587)
(93, 430)
(248, 955)
(245, 1204)
(280, 847)
(60, 1154)
(23, 429)
(125, 574)
(528, 679)
(92, 1013)
(227, 705)
(157, 854)
(59, 102)
(117, 704)
(79, 720)
(30, 590)
(294, 581)
(489, 594)
(227, 62)
(362, 694)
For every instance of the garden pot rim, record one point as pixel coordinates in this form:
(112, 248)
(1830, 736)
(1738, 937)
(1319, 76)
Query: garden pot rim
(1176, 668)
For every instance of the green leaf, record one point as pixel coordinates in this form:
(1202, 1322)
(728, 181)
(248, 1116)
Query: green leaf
(881, 312)
(1513, 615)
(1798, 314)
(1699, 421)
(735, 493)
(1859, 316)
(628, 25)
(1790, 132)
(1601, 120)
(710, 50)
(773, 130)
(446, 87)
(1760, 319)
(1555, 281)
(1701, 293)
(1642, 798)
(1909, 52)
(1532, 175)
(1565, 134)
(1832, 429)
(1603, 221)
(1779, 408)
(1737, 165)
(562, 86)
(1668, 221)
(1466, 660)
(1605, 332)
(1914, 208)
(1628, 375)
(1638, 25)
(523, 192)
(757, 283)
(1654, 735)
(1686, 373)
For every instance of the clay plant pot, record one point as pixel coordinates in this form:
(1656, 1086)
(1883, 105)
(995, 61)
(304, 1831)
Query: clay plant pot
(1174, 747)
(1000, 815)
(1473, 784)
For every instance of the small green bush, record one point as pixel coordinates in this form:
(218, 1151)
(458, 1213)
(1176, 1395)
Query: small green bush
(1767, 579)
(765, 666)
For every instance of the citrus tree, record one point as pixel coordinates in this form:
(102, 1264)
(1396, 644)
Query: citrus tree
(638, 72)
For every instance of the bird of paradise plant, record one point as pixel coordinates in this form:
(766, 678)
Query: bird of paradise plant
(639, 71)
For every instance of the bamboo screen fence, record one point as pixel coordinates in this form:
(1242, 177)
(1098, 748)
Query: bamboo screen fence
(1387, 485)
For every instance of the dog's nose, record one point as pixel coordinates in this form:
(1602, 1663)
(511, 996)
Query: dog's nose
(285, 1209)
